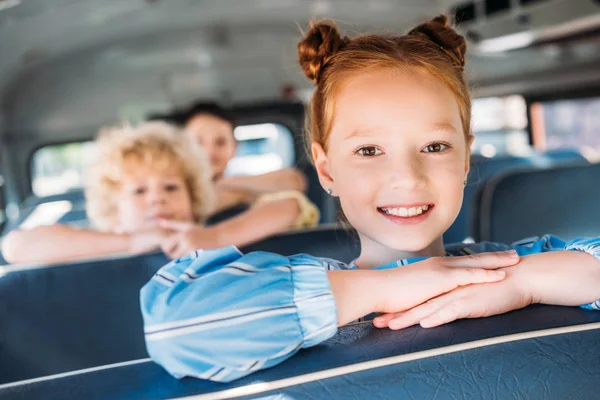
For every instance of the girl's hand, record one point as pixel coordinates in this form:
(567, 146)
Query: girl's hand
(567, 278)
(427, 279)
(187, 237)
(361, 292)
(146, 240)
(472, 301)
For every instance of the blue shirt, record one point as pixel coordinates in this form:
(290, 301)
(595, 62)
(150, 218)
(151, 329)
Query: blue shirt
(221, 315)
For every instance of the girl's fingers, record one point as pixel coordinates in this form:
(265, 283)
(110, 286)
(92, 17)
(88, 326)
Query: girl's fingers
(468, 276)
(382, 321)
(415, 315)
(170, 246)
(451, 311)
(179, 226)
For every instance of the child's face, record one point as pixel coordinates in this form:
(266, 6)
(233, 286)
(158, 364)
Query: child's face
(397, 148)
(216, 138)
(147, 196)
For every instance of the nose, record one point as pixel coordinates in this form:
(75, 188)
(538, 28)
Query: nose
(211, 152)
(157, 196)
(406, 172)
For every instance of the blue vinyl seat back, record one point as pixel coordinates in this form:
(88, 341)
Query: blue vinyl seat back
(482, 169)
(328, 241)
(563, 201)
(72, 316)
(558, 365)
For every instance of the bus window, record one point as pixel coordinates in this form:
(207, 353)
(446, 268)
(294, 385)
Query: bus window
(57, 169)
(262, 148)
(500, 126)
(569, 123)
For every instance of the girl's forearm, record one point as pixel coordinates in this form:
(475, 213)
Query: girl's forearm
(58, 243)
(568, 278)
(355, 292)
(285, 179)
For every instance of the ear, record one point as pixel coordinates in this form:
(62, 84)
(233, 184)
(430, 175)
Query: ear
(322, 166)
(470, 140)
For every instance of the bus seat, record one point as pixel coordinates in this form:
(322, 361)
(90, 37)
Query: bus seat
(482, 169)
(422, 357)
(562, 201)
(65, 317)
(330, 241)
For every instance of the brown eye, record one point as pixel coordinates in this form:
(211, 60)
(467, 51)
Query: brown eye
(435, 148)
(369, 151)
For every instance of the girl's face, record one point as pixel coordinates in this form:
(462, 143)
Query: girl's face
(146, 196)
(215, 135)
(397, 158)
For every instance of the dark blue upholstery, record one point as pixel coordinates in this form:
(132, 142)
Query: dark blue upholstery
(65, 317)
(226, 214)
(327, 241)
(552, 367)
(562, 201)
(482, 169)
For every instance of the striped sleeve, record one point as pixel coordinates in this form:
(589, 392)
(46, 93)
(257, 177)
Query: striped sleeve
(590, 246)
(553, 243)
(221, 315)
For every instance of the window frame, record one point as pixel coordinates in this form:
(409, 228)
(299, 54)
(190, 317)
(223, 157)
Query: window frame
(527, 127)
(580, 93)
(39, 147)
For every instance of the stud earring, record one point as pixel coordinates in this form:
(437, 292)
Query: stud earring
(329, 191)
(465, 182)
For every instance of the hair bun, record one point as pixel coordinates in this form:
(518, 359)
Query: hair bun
(321, 42)
(439, 32)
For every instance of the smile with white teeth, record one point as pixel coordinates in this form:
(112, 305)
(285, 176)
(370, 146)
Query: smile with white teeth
(405, 212)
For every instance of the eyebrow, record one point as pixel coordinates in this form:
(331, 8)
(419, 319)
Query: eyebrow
(444, 126)
(361, 133)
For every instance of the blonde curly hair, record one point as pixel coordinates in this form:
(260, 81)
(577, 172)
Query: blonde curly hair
(153, 145)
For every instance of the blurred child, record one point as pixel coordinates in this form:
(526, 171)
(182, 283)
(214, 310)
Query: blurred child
(150, 188)
(212, 127)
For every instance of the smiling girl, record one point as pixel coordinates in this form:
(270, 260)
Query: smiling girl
(390, 135)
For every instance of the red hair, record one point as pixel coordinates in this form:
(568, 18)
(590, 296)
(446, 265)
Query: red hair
(432, 48)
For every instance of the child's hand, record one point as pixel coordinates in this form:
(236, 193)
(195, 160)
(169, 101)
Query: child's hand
(567, 278)
(473, 301)
(430, 278)
(187, 237)
(146, 240)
